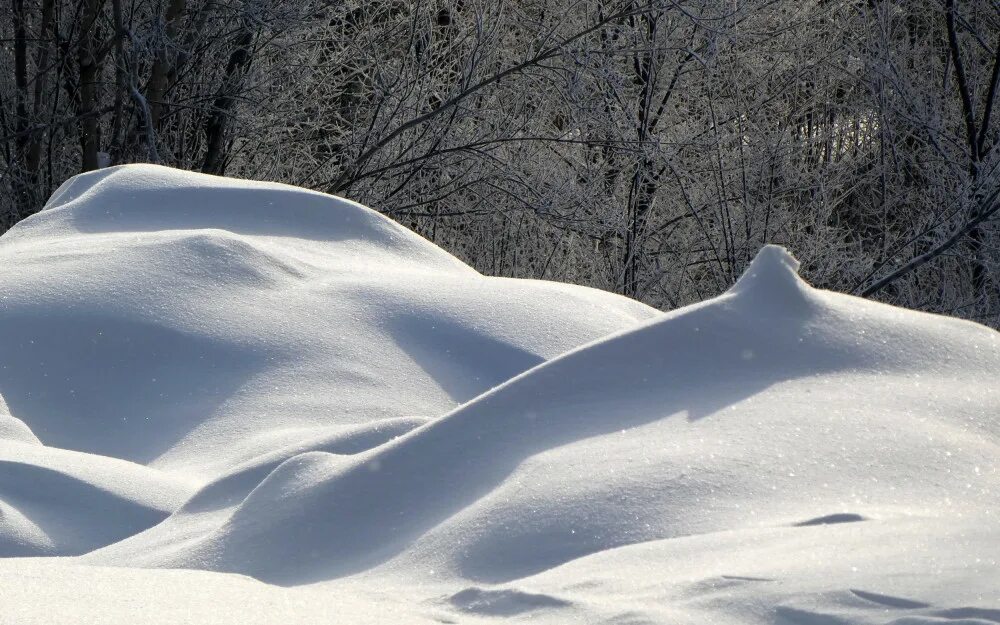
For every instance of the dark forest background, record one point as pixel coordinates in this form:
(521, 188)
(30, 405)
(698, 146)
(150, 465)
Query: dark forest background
(644, 147)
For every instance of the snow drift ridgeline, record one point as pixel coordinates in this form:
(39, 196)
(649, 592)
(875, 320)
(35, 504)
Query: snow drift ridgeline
(311, 392)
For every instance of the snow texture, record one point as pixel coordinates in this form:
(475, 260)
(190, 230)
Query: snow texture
(247, 402)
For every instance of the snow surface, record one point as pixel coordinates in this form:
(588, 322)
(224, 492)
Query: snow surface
(240, 402)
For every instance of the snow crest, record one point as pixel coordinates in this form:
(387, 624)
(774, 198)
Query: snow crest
(12, 428)
(771, 284)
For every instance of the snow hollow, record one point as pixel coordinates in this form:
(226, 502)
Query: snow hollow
(239, 402)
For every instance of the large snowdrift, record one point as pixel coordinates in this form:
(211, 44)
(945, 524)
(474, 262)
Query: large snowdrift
(249, 378)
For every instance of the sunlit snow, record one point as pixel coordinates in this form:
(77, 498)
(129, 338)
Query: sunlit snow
(240, 402)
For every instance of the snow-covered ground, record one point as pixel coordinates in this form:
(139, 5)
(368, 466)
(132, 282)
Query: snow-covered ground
(238, 402)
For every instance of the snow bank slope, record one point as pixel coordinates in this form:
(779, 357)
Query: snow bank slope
(773, 405)
(61, 502)
(243, 377)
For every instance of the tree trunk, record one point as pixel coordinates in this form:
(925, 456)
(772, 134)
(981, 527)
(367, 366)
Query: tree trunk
(225, 99)
(24, 176)
(163, 63)
(90, 70)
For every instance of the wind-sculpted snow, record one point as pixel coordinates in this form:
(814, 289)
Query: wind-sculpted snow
(190, 321)
(12, 428)
(242, 377)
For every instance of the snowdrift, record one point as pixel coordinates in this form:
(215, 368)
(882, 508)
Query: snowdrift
(253, 379)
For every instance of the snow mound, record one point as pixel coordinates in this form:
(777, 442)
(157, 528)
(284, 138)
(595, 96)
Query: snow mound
(144, 198)
(682, 413)
(215, 315)
(249, 378)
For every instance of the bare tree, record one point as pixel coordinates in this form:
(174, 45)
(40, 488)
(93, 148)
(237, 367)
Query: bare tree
(648, 147)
